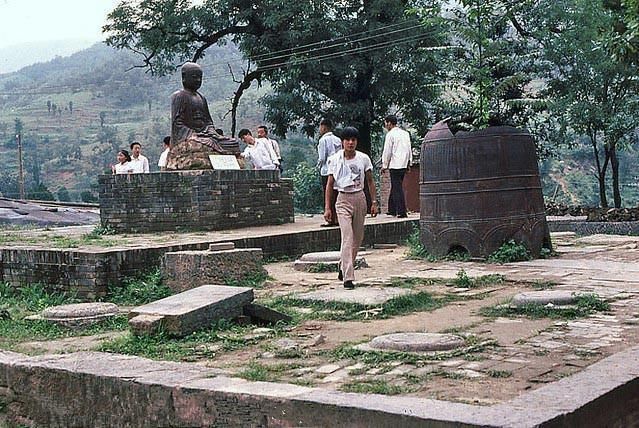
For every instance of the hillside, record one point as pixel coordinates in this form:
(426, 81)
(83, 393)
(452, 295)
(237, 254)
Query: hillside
(77, 111)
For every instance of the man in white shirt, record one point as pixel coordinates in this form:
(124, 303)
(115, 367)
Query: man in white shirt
(139, 163)
(262, 135)
(165, 153)
(348, 170)
(396, 158)
(258, 152)
(329, 144)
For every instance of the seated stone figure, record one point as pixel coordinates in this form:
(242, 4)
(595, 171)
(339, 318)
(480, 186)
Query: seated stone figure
(193, 135)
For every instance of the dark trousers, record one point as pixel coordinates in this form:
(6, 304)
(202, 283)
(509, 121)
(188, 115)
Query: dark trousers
(396, 201)
(333, 197)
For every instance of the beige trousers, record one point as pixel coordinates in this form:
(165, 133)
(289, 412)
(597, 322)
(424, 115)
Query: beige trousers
(351, 211)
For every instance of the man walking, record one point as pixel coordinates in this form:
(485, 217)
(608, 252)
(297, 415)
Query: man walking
(347, 170)
(262, 135)
(139, 163)
(396, 158)
(329, 144)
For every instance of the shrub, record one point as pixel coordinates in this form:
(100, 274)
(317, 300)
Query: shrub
(510, 251)
(309, 196)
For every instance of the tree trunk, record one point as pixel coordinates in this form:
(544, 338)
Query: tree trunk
(614, 164)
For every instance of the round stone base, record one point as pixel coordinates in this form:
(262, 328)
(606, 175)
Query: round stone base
(78, 314)
(417, 342)
(556, 297)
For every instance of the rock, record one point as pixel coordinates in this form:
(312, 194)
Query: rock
(78, 314)
(545, 297)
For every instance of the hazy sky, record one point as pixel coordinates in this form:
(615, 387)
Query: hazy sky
(23, 21)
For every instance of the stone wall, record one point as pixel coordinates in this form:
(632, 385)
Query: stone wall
(90, 389)
(91, 273)
(195, 200)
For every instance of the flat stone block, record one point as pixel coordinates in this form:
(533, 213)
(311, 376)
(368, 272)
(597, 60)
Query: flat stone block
(327, 261)
(197, 308)
(221, 246)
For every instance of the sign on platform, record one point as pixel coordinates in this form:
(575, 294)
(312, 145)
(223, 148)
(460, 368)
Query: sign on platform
(224, 162)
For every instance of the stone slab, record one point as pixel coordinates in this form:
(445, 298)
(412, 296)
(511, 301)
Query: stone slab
(221, 246)
(556, 297)
(197, 308)
(362, 295)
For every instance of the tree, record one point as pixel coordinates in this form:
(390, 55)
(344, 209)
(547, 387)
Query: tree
(40, 192)
(593, 92)
(350, 60)
(63, 194)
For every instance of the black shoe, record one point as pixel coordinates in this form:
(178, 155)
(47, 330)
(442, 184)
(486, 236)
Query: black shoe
(349, 285)
(340, 275)
(402, 215)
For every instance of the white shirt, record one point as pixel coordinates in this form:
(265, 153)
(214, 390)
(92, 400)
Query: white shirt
(397, 152)
(163, 157)
(123, 168)
(329, 144)
(139, 165)
(273, 144)
(349, 174)
(261, 155)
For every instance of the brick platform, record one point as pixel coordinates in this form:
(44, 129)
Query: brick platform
(195, 200)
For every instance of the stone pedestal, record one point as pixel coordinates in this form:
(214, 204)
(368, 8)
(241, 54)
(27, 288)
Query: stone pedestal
(195, 200)
(183, 270)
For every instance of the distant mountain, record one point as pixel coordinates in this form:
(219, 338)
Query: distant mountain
(78, 111)
(13, 58)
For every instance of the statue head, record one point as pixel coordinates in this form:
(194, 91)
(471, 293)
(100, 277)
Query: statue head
(191, 76)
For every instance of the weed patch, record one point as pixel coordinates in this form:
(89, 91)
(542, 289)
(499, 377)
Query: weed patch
(377, 386)
(509, 252)
(585, 305)
(252, 280)
(140, 290)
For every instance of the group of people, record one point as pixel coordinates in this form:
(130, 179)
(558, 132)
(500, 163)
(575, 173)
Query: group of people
(133, 163)
(345, 171)
(262, 152)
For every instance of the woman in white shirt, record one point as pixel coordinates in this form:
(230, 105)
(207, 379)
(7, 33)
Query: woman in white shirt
(122, 167)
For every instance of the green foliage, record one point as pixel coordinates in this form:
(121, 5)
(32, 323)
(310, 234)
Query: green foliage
(321, 267)
(100, 231)
(341, 311)
(308, 197)
(377, 386)
(33, 298)
(257, 372)
(463, 280)
(63, 194)
(250, 279)
(139, 290)
(510, 252)
(88, 197)
(40, 192)
(585, 305)
(416, 249)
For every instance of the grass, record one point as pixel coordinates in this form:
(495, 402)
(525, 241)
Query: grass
(256, 371)
(509, 252)
(341, 311)
(464, 281)
(499, 373)
(377, 386)
(541, 284)
(225, 335)
(139, 290)
(585, 305)
(416, 249)
(322, 267)
(252, 279)
(374, 358)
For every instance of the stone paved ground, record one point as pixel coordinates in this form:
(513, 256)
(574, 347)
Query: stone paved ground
(503, 356)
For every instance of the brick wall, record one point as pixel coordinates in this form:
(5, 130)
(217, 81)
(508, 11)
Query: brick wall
(195, 200)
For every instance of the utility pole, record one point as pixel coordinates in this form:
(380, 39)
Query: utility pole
(20, 170)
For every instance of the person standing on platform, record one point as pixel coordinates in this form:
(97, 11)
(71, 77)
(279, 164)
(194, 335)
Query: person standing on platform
(397, 157)
(165, 153)
(329, 144)
(139, 163)
(257, 151)
(262, 134)
(347, 170)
